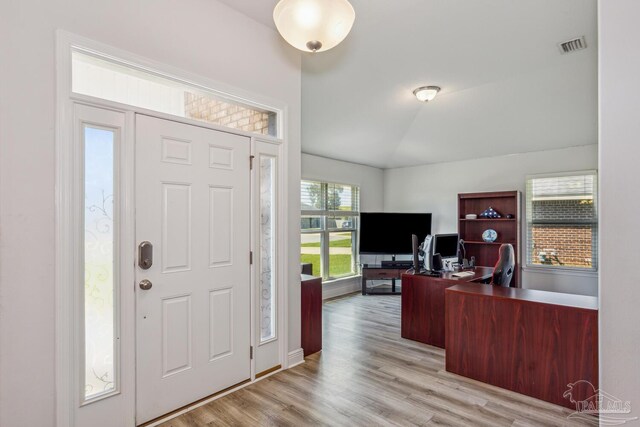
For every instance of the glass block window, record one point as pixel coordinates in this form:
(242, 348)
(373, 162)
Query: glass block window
(562, 221)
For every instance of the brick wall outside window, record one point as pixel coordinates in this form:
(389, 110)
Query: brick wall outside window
(562, 245)
(563, 209)
(233, 116)
(562, 233)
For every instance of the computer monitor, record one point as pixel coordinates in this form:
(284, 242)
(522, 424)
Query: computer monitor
(446, 245)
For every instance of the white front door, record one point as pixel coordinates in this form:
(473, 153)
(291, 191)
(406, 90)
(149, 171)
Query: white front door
(193, 206)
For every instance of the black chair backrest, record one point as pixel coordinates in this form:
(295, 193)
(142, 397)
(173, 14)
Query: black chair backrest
(503, 271)
(307, 268)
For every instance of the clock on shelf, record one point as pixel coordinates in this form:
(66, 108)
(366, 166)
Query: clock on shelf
(490, 235)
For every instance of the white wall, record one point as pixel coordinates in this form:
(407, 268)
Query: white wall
(434, 188)
(368, 178)
(204, 37)
(619, 201)
(370, 181)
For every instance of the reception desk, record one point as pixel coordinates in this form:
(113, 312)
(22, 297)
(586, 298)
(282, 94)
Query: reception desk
(532, 342)
(422, 316)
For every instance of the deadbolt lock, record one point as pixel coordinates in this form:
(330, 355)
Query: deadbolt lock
(145, 255)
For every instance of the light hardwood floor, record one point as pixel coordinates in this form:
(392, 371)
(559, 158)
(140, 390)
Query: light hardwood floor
(367, 375)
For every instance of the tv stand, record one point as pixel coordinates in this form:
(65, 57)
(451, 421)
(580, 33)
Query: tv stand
(396, 264)
(381, 272)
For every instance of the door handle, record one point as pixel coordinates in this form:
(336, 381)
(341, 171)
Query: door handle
(145, 255)
(145, 285)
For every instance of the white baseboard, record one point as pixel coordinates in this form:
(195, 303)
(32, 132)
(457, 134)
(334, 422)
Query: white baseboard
(296, 357)
(340, 287)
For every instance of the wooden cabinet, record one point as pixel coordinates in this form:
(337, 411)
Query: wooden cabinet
(311, 308)
(508, 229)
(542, 344)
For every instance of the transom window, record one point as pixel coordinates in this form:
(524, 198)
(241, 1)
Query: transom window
(562, 221)
(127, 84)
(329, 228)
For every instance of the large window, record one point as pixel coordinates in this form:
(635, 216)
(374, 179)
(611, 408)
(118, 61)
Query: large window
(329, 228)
(562, 221)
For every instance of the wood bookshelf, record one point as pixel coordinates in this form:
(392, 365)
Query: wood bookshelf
(508, 229)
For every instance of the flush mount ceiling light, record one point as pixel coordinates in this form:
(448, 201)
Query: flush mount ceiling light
(426, 93)
(314, 25)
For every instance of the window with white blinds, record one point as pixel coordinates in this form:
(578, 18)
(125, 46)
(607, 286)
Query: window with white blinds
(329, 227)
(562, 221)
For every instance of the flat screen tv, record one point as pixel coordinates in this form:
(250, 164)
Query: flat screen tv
(390, 233)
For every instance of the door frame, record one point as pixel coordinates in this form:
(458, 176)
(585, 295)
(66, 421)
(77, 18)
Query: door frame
(67, 212)
(262, 146)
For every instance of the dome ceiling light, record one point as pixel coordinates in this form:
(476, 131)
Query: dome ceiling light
(426, 93)
(314, 25)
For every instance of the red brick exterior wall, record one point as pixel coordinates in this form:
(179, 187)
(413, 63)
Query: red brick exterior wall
(554, 240)
(571, 244)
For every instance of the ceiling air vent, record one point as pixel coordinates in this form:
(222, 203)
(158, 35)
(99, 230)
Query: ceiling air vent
(572, 45)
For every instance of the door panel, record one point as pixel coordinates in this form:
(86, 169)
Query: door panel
(176, 227)
(221, 327)
(220, 226)
(193, 205)
(176, 334)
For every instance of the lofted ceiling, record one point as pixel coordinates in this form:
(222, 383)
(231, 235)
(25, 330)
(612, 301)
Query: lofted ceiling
(505, 86)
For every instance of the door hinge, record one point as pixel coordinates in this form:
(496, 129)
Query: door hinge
(251, 352)
(250, 257)
(251, 161)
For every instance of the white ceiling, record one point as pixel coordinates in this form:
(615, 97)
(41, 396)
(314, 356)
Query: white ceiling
(505, 86)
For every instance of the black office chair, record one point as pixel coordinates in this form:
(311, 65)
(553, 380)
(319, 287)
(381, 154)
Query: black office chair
(307, 268)
(503, 271)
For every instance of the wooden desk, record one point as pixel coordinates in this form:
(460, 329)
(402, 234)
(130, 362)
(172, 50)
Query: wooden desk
(422, 317)
(311, 310)
(531, 342)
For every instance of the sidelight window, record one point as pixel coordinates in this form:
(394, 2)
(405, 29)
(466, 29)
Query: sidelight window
(268, 237)
(99, 263)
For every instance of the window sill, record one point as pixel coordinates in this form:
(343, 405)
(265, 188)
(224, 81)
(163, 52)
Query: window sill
(342, 286)
(341, 280)
(560, 270)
